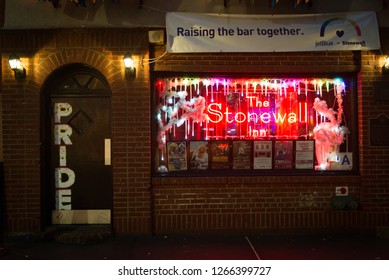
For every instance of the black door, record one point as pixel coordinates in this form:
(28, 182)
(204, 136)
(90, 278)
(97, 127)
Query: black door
(80, 184)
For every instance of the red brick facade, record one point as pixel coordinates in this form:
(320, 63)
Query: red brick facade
(143, 204)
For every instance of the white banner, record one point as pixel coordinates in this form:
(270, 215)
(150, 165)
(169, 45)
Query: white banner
(192, 32)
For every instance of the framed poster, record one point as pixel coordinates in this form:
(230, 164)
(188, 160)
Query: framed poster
(176, 155)
(241, 154)
(304, 156)
(220, 154)
(263, 154)
(198, 154)
(283, 154)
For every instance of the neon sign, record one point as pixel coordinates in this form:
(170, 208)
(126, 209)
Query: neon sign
(241, 117)
(222, 109)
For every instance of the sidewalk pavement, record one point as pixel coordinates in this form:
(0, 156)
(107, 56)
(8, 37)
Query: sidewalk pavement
(201, 247)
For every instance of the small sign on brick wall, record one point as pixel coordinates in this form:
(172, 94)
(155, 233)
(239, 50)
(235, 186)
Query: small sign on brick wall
(378, 131)
(381, 91)
(308, 199)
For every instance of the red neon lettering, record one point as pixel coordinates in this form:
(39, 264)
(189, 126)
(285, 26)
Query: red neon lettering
(265, 118)
(258, 103)
(303, 115)
(214, 110)
(228, 113)
(240, 120)
(292, 118)
(262, 104)
(279, 118)
(255, 132)
(251, 99)
(255, 115)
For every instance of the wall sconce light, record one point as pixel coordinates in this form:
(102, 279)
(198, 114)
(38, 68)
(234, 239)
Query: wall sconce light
(14, 63)
(385, 67)
(130, 69)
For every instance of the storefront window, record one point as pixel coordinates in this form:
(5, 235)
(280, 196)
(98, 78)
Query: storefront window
(220, 123)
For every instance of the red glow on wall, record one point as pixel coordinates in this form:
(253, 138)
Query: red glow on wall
(191, 109)
(218, 108)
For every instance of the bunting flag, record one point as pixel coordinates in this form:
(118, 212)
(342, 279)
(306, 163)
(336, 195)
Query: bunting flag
(79, 2)
(296, 2)
(55, 3)
(82, 2)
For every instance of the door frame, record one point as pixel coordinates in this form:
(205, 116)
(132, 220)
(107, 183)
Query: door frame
(52, 88)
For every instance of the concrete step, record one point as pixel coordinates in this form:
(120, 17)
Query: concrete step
(78, 234)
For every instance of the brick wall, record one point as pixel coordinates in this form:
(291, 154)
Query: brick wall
(282, 204)
(278, 203)
(41, 52)
(261, 63)
(268, 203)
(374, 160)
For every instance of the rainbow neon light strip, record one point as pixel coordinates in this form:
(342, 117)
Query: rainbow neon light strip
(327, 22)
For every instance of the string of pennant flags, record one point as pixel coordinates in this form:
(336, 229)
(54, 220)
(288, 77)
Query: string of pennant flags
(82, 3)
(296, 2)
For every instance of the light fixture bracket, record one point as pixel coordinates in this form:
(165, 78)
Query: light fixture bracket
(130, 70)
(14, 63)
(385, 66)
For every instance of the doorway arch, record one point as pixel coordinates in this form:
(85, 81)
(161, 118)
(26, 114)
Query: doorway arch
(76, 153)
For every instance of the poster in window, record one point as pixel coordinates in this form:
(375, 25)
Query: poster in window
(220, 154)
(263, 154)
(177, 157)
(198, 155)
(241, 152)
(304, 154)
(283, 154)
(344, 162)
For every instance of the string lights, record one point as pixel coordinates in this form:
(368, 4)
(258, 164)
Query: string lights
(219, 108)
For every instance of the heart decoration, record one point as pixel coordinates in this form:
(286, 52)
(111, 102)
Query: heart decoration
(339, 33)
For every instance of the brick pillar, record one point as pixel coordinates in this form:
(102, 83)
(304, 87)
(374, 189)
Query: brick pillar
(2, 208)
